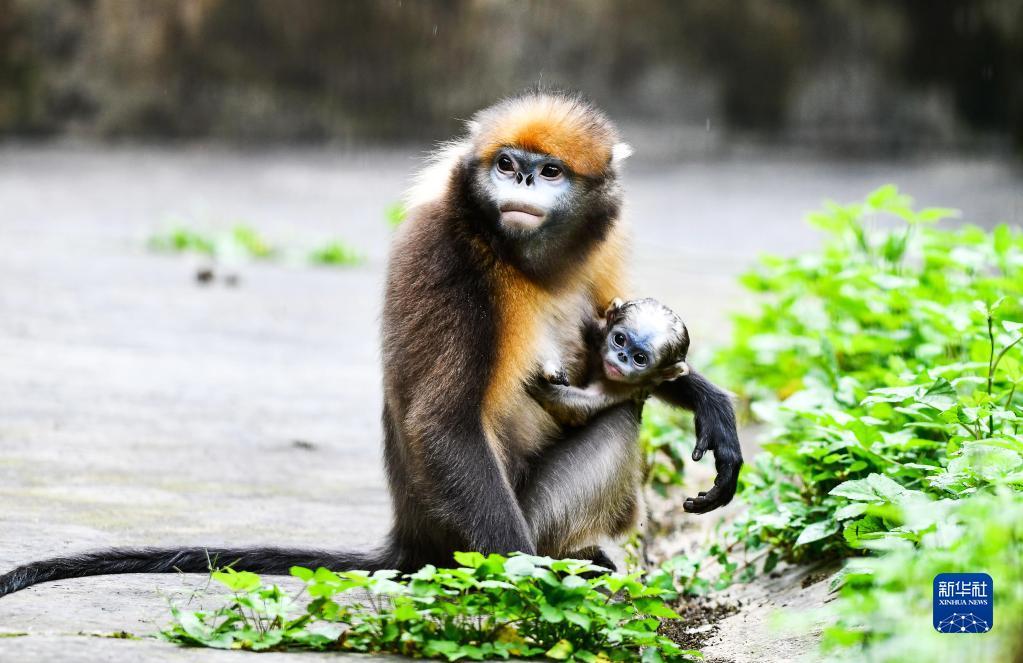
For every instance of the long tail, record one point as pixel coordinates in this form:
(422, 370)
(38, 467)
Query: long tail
(190, 560)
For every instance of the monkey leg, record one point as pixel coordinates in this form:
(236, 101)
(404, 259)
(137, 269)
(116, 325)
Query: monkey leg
(587, 485)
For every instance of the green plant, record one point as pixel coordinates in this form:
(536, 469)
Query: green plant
(337, 254)
(241, 241)
(251, 242)
(883, 611)
(182, 240)
(891, 357)
(489, 607)
(395, 214)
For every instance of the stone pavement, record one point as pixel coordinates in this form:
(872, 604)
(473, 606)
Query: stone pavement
(139, 408)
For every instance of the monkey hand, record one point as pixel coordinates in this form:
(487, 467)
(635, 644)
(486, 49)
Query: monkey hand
(555, 373)
(721, 438)
(541, 388)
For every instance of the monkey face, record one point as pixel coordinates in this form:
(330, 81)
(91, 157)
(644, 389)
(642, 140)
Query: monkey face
(538, 181)
(646, 343)
(528, 188)
(630, 355)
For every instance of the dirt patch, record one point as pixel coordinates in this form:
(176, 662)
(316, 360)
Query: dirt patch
(699, 621)
(814, 578)
(750, 622)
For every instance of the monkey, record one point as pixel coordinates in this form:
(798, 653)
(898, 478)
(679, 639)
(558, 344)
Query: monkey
(513, 239)
(636, 345)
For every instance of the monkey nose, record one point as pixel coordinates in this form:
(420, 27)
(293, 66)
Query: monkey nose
(621, 356)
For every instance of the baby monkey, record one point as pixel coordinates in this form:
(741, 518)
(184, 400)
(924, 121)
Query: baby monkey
(639, 344)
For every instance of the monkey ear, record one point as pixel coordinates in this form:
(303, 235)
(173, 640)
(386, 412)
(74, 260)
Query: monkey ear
(676, 370)
(619, 153)
(612, 308)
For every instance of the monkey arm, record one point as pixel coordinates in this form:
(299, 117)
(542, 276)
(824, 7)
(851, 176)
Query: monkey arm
(467, 492)
(715, 431)
(573, 405)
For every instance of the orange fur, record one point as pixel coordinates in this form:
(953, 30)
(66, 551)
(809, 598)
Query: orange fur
(554, 124)
(525, 306)
(607, 269)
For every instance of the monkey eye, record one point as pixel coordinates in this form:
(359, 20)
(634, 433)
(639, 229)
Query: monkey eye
(550, 171)
(640, 358)
(618, 339)
(505, 164)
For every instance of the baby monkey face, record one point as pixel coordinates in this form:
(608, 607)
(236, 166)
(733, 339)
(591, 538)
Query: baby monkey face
(646, 343)
(630, 355)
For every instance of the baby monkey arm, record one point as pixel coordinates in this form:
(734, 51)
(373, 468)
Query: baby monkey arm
(570, 405)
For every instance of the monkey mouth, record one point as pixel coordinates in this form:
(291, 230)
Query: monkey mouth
(521, 216)
(612, 371)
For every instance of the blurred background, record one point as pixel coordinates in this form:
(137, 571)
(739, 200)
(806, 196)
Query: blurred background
(864, 76)
(312, 115)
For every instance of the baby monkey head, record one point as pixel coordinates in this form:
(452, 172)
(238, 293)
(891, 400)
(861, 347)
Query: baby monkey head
(646, 343)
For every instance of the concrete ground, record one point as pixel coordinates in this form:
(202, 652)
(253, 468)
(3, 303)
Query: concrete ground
(139, 408)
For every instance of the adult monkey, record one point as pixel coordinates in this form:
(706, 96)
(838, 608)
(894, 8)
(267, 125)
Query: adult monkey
(499, 263)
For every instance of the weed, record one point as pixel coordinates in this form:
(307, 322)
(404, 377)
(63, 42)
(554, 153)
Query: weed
(336, 254)
(488, 607)
(887, 368)
(395, 214)
(240, 242)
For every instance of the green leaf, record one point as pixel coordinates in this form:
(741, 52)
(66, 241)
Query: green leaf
(655, 607)
(1012, 327)
(1002, 239)
(519, 566)
(858, 532)
(882, 196)
(848, 511)
(875, 488)
(856, 489)
(816, 532)
(560, 651)
(987, 461)
(941, 395)
(579, 619)
(934, 214)
(551, 614)
(471, 560)
(302, 573)
(237, 581)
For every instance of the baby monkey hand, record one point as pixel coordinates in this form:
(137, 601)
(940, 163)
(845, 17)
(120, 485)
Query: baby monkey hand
(555, 373)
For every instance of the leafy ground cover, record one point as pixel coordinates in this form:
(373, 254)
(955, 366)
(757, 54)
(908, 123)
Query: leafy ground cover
(887, 369)
(488, 607)
(889, 362)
